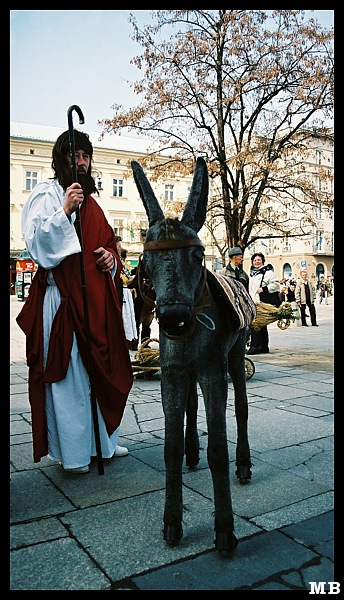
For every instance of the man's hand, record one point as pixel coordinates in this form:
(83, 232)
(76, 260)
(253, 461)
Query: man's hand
(73, 199)
(106, 260)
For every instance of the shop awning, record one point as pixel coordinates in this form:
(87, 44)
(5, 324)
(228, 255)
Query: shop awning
(19, 254)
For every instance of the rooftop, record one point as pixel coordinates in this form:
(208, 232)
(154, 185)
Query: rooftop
(48, 133)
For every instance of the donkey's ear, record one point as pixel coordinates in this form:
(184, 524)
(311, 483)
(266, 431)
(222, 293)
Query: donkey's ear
(152, 206)
(196, 206)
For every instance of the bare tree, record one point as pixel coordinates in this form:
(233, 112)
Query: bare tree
(248, 89)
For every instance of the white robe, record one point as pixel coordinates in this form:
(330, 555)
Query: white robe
(50, 237)
(128, 313)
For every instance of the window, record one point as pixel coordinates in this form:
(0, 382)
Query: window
(319, 241)
(287, 270)
(31, 179)
(168, 192)
(117, 188)
(286, 245)
(318, 157)
(271, 245)
(118, 227)
(319, 211)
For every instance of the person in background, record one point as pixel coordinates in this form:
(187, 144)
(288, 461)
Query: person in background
(287, 294)
(52, 317)
(287, 291)
(305, 295)
(264, 286)
(234, 268)
(324, 290)
(143, 313)
(127, 299)
(125, 276)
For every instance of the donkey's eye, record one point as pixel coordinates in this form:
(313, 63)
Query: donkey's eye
(198, 253)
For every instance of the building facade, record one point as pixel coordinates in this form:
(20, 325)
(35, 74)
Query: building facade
(313, 251)
(30, 162)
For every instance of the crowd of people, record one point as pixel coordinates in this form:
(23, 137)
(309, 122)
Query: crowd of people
(264, 286)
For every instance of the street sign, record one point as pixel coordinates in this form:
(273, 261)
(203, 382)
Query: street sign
(24, 265)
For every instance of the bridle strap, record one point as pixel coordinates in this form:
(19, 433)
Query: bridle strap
(150, 302)
(172, 244)
(140, 276)
(204, 293)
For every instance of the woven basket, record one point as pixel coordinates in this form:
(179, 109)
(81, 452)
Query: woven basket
(146, 359)
(267, 313)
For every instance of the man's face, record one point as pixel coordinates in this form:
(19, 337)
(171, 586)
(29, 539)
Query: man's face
(82, 161)
(237, 260)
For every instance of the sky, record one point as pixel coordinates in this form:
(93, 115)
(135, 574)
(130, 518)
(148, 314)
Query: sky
(63, 57)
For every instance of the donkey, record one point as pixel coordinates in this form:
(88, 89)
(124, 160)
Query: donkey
(197, 345)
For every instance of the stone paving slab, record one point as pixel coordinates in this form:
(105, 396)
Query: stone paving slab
(44, 567)
(254, 560)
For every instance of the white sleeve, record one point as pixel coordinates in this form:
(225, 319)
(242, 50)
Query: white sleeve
(272, 282)
(48, 233)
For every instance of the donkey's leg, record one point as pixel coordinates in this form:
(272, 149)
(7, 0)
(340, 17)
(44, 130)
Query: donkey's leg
(236, 368)
(191, 433)
(215, 398)
(174, 390)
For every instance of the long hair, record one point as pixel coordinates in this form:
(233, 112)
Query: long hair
(61, 165)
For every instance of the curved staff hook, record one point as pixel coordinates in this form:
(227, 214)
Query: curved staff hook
(84, 289)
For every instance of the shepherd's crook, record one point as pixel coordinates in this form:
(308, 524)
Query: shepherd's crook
(84, 289)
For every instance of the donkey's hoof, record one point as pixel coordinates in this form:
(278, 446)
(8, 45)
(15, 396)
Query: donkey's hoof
(243, 473)
(172, 534)
(192, 460)
(192, 464)
(225, 542)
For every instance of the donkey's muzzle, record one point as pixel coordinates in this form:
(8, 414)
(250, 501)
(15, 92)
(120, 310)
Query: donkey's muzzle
(175, 320)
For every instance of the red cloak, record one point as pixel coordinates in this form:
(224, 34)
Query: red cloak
(113, 375)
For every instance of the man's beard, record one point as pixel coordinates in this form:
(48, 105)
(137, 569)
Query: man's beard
(87, 183)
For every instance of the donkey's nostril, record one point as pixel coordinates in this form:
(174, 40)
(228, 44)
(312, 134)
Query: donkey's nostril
(174, 319)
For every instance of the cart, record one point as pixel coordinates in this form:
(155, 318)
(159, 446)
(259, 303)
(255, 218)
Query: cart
(146, 363)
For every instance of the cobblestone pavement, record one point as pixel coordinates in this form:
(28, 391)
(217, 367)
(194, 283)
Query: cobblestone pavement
(86, 532)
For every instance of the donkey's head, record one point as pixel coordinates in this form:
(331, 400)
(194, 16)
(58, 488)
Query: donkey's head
(173, 253)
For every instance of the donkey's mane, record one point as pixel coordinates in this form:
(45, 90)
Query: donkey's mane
(173, 229)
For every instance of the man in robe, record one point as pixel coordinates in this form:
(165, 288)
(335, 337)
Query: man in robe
(52, 317)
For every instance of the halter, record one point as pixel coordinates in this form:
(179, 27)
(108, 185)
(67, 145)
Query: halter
(172, 245)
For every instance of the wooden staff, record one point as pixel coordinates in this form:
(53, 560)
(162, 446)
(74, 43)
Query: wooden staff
(84, 288)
